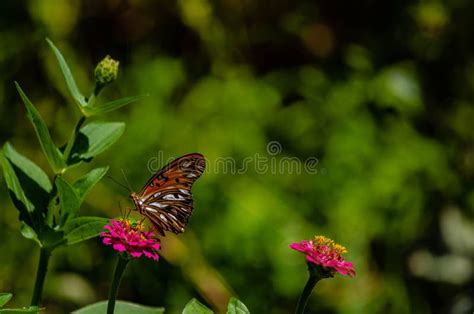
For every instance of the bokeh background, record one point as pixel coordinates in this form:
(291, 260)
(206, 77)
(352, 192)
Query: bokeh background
(381, 93)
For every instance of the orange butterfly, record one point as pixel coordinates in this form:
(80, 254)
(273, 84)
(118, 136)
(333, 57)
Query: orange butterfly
(166, 199)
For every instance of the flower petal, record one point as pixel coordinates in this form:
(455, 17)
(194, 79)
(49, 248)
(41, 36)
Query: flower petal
(119, 247)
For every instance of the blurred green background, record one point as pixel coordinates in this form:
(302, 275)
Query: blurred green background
(381, 93)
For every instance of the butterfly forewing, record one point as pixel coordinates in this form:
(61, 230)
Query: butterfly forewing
(166, 198)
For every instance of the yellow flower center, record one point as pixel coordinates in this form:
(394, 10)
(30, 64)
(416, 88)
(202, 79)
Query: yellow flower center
(323, 241)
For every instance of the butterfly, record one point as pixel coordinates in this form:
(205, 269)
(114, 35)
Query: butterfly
(166, 199)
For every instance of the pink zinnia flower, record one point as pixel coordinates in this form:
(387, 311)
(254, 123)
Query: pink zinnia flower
(324, 252)
(125, 236)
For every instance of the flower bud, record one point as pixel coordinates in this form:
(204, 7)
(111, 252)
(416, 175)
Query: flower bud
(105, 72)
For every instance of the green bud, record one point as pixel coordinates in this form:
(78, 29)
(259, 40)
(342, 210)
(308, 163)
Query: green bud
(106, 72)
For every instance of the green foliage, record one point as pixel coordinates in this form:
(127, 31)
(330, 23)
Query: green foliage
(93, 139)
(68, 201)
(113, 105)
(121, 307)
(29, 233)
(48, 214)
(4, 298)
(29, 168)
(30, 309)
(196, 307)
(85, 183)
(83, 228)
(236, 307)
(52, 153)
(49, 211)
(70, 82)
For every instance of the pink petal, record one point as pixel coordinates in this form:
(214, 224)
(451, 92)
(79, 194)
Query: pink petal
(136, 254)
(119, 247)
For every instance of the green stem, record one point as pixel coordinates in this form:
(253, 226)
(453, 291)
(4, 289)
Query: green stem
(97, 89)
(119, 270)
(312, 280)
(73, 137)
(45, 254)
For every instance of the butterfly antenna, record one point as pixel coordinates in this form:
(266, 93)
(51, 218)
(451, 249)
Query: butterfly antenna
(121, 210)
(128, 214)
(126, 180)
(119, 183)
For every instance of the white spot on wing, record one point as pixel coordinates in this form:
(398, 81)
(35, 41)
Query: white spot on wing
(158, 204)
(184, 191)
(171, 197)
(153, 196)
(151, 209)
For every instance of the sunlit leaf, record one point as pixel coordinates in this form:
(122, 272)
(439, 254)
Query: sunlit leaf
(21, 202)
(53, 155)
(121, 307)
(236, 307)
(94, 138)
(30, 309)
(29, 233)
(85, 183)
(14, 186)
(69, 201)
(4, 298)
(83, 228)
(195, 307)
(28, 167)
(111, 105)
(70, 82)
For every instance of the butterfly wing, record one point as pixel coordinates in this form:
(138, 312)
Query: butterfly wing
(166, 199)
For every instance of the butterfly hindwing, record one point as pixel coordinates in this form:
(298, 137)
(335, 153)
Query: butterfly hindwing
(166, 199)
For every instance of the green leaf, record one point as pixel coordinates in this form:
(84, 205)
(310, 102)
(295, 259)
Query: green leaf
(195, 307)
(30, 309)
(112, 105)
(93, 139)
(85, 183)
(28, 167)
(121, 307)
(50, 238)
(33, 182)
(28, 204)
(68, 199)
(70, 82)
(83, 228)
(236, 307)
(29, 233)
(4, 298)
(52, 153)
(16, 192)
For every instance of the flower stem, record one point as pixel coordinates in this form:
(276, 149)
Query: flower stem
(312, 280)
(40, 276)
(72, 139)
(119, 270)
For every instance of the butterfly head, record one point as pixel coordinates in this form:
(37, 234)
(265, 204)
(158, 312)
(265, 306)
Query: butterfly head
(136, 201)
